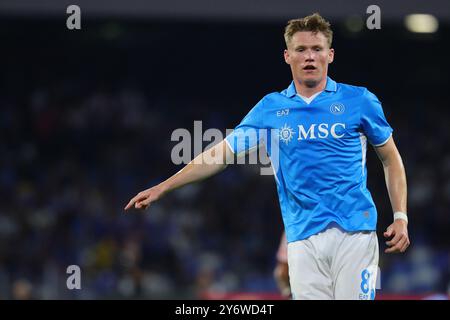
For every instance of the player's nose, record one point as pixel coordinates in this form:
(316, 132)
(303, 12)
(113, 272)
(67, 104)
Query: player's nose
(309, 56)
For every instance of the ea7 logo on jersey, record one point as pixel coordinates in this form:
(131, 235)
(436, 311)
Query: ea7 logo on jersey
(283, 112)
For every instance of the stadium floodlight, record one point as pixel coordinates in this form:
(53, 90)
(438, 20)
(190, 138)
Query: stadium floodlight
(421, 23)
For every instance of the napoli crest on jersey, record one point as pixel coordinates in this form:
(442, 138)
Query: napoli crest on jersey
(337, 108)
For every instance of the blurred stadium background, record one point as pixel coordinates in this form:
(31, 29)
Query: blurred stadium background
(86, 119)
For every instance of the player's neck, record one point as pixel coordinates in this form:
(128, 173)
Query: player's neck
(306, 91)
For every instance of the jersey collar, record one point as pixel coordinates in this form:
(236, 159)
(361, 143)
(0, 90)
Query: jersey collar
(331, 87)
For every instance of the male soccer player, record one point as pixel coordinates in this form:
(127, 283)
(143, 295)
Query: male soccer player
(328, 212)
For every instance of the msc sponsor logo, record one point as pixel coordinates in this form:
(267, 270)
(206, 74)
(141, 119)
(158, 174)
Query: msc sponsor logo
(314, 131)
(321, 131)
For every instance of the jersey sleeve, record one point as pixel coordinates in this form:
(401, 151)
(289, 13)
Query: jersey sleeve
(373, 121)
(247, 135)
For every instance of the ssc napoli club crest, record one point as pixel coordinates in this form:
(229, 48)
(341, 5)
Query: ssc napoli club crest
(337, 108)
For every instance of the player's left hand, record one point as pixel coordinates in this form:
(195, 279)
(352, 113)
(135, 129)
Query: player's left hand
(398, 230)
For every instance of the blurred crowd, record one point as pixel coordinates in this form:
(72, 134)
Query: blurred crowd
(86, 124)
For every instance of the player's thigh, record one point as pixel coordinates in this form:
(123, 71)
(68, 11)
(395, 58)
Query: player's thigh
(309, 277)
(356, 270)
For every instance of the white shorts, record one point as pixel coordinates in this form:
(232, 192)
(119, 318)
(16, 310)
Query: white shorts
(334, 264)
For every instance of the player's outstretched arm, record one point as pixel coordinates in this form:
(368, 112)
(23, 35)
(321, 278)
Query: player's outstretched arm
(395, 176)
(203, 166)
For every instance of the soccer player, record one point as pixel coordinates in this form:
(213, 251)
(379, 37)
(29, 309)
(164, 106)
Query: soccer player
(281, 271)
(324, 126)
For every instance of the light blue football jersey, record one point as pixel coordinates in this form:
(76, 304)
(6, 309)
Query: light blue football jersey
(320, 152)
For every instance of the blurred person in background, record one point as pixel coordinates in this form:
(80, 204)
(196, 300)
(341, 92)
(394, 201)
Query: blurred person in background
(281, 271)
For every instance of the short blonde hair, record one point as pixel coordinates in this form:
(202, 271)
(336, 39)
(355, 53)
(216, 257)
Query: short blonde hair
(314, 23)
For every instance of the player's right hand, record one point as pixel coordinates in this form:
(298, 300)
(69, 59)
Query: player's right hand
(400, 241)
(144, 198)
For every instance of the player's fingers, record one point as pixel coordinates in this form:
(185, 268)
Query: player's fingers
(146, 202)
(397, 247)
(135, 199)
(405, 246)
(130, 204)
(143, 204)
(388, 232)
(391, 249)
(394, 240)
(394, 249)
(401, 243)
(138, 204)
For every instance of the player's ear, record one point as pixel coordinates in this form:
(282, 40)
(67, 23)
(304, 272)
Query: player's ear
(287, 58)
(331, 55)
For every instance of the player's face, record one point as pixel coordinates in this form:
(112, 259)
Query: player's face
(308, 55)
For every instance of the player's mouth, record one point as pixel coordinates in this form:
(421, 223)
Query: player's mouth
(309, 68)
